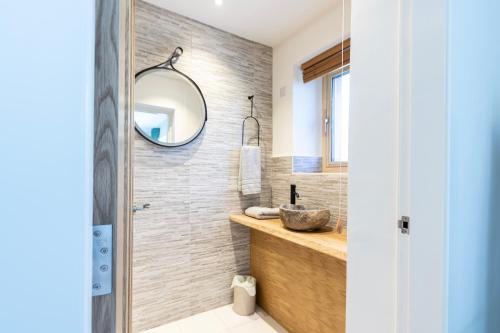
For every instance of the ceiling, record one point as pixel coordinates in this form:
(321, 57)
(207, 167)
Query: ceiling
(268, 22)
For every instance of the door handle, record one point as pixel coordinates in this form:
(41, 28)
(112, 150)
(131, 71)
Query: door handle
(141, 208)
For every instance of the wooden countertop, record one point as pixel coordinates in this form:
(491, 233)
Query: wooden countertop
(325, 240)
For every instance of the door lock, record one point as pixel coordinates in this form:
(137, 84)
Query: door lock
(404, 224)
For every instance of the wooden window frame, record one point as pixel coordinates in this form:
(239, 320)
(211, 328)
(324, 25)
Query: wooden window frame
(326, 130)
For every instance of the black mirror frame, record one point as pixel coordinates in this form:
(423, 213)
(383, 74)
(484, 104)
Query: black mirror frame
(168, 66)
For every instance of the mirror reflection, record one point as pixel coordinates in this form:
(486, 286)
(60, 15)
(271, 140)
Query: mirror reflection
(169, 107)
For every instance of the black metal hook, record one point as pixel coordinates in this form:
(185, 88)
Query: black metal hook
(176, 55)
(173, 58)
(251, 108)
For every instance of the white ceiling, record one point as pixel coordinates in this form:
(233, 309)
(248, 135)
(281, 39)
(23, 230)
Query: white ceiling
(265, 21)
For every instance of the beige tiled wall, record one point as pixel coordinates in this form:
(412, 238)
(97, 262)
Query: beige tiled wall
(186, 252)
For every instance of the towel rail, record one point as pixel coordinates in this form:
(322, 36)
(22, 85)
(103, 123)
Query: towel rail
(250, 117)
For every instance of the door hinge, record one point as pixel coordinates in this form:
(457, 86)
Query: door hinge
(404, 225)
(102, 260)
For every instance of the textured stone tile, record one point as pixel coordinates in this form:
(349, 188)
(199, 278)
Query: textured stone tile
(186, 252)
(307, 164)
(317, 190)
(282, 165)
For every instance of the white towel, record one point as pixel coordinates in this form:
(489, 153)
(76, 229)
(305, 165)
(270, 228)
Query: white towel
(263, 213)
(250, 175)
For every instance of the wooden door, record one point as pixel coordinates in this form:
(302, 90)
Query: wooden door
(113, 128)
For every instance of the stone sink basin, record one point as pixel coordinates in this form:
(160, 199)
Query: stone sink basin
(297, 217)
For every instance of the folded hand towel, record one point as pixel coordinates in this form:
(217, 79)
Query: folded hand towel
(250, 175)
(263, 213)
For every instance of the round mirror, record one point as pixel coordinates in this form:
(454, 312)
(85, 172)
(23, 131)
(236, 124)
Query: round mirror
(169, 107)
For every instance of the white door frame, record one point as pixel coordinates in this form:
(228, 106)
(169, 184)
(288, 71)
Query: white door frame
(422, 263)
(403, 240)
(373, 167)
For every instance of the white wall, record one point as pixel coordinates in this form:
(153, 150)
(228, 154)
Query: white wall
(297, 125)
(307, 114)
(46, 91)
(373, 167)
(474, 167)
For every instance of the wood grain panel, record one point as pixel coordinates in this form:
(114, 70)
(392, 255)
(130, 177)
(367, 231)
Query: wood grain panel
(126, 133)
(112, 139)
(325, 241)
(304, 290)
(105, 143)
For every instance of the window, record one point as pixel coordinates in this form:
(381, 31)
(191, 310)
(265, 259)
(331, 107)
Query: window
(336, 90)
(156, 121)
(333, 66)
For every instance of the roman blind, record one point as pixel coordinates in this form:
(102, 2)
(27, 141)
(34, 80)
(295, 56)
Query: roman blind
(328, 61)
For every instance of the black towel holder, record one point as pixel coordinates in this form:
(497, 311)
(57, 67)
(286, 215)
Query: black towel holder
(250, 117)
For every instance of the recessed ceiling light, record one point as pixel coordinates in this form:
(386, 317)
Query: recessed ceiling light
(218, 2)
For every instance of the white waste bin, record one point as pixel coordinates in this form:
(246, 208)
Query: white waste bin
(244, 294)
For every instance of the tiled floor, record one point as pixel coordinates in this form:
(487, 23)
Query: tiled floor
(223, 320)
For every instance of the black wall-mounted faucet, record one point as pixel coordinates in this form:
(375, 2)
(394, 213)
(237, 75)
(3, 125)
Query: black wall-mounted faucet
(293, 194)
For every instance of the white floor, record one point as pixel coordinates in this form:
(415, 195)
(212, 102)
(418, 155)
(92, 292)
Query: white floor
(223, 320)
